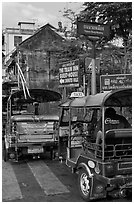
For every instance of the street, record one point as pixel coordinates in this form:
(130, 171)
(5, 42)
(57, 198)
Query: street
(66, 101)
(40, 180)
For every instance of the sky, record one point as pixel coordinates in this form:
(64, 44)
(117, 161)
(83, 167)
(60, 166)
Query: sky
(38, 12)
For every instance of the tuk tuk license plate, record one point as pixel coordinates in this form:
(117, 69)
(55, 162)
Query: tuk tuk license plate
(35, 149)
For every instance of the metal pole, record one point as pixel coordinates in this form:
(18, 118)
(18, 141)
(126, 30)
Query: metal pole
(18, 60)
(27, 71)
(93, 78)
(69, 136)
(64, 93)
(88, 85)
(84, 85)
(49, 64)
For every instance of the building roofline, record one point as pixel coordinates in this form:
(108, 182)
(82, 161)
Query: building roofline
(39, 30)
(19, 23)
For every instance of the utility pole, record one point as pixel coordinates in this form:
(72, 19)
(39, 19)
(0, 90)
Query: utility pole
(49, 65)
(93, 78)
(27, 71)
(18, 61)
(93, 31)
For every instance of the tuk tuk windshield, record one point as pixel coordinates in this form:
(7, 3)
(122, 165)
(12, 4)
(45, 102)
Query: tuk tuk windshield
(82, 120)
(41, 101)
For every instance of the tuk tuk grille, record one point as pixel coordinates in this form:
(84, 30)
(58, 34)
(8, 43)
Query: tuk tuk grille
(119, 150)
(109, 151)
(123, 150)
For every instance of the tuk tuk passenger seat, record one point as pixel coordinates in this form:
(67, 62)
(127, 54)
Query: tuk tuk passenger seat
(118, 136)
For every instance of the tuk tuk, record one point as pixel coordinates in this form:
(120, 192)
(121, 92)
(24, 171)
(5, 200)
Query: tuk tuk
(30, 128)
(99, 146)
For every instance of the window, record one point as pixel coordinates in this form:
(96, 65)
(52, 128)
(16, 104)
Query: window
(17, 40)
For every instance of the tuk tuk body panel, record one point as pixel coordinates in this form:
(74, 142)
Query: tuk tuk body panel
(106, 175)
(31, 136)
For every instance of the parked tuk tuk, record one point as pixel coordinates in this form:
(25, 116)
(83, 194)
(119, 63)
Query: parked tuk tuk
(99, 145)
(29, 130)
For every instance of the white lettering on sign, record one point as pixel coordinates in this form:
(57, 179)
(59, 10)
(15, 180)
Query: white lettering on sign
(61, 81)
(110, 121)
(75, 79)
(100, 28)
(64, 75)
(77, 95)
(69, 69)
(93, 32)
(68, 80)
(107, 82)
(68, 64)
(69, 73)
(75, 68)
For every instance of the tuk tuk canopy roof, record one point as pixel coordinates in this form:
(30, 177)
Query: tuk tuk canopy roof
(39, 95)
(109, 98)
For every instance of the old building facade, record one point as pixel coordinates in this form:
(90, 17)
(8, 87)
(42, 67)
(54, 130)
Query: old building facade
(37, 57)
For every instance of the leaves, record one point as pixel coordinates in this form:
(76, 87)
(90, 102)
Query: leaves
(117, 14)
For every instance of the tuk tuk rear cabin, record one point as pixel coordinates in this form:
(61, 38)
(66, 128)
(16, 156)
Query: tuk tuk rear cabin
(28, 130)
(99, 146)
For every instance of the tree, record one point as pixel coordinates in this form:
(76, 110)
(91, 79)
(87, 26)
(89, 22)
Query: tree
(119, 16)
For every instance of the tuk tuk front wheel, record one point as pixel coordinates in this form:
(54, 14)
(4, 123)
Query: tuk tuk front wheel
(5, 153)
(84, 184)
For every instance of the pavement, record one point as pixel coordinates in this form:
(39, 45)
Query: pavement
(41, 180)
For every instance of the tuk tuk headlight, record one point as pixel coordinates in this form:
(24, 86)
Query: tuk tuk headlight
(91, 164)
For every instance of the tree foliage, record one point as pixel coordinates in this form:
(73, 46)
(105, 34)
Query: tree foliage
(117, 14)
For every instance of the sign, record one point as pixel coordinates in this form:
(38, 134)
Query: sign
(88, 65)
(77, 95)
(69, 74)
(117, 81)
(93, 30)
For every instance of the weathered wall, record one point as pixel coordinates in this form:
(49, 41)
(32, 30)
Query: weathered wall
(39, 57)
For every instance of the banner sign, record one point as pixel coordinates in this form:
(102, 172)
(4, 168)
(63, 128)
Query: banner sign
(69, 74)
(93, 29)
(116, 81)
(89, 66)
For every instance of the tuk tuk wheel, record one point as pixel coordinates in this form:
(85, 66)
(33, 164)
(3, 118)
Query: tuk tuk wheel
(84, 184)
(5, 153)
